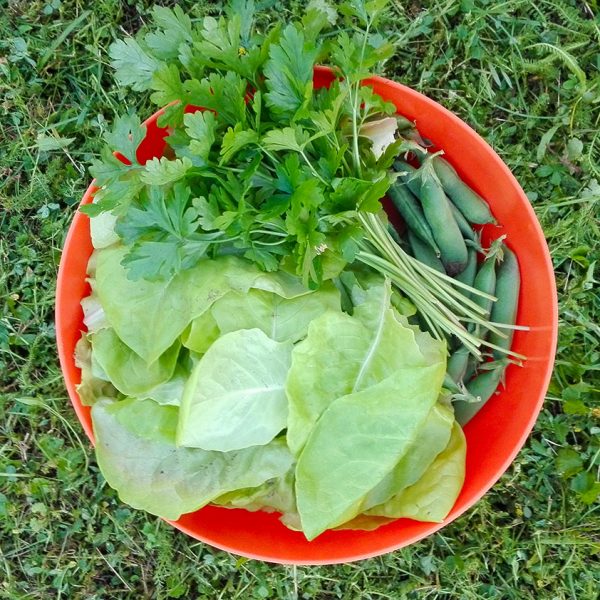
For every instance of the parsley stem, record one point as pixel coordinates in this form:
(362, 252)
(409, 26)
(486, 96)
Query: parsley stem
(441, 300)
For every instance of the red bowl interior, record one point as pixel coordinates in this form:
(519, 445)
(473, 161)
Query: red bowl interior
(496, 433)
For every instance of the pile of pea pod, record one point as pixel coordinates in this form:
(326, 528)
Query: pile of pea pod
(440, 212)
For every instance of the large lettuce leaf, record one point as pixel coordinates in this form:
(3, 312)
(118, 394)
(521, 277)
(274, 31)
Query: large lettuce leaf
(235, 397)
(433, 496)
(430, 441)
(150, 315)
(343, 354)
(358, 441)
(137, 454)
(128, 372)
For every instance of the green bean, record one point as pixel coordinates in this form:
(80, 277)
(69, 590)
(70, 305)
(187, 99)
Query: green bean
(423, 253)
(438, 213)
(471, 204)
(483, 387)
(505, 308)
(412, 213)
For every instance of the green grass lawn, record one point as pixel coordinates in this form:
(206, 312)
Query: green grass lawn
(526, 76)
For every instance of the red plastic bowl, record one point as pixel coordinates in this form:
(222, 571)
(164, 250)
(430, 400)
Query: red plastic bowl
(496, 433)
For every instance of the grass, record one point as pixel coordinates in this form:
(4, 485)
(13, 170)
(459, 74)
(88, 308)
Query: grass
(526, 75)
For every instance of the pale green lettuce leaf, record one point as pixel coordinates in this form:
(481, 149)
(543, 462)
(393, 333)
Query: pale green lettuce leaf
(430, 441)
(364, 522)
(275, 495)
(280, 318)
(235, 397)
(343, 354)
(137, 455)
(433, 496)
(91, 387)
(358, 441)
(128, 372)
(94, 317)
(202, 332)
(102, 230)
(150, 315)
(169, 392)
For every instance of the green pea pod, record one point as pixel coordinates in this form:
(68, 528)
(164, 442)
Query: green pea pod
(457, 364)
(467, 275)
(505, 308)
(438, 213)
(450, 384)
(485, 281)
(423, 253)
(408, 177)
(483, 387)
(463, 224)
(412, 213)
(471, 204)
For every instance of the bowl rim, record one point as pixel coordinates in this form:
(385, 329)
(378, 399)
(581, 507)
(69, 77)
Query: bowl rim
(66, 361)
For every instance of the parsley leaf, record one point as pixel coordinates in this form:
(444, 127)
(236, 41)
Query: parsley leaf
(224, 94)
(133, 66)
(161, 171)
(289, 73)
(126, 136)
(166, 81)
(161, 230)
(175, 30)
(234, 140)
(200, 126)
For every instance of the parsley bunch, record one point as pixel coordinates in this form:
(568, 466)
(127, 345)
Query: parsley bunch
(270, 168)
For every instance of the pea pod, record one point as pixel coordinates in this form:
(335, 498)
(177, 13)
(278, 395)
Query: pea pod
(438, 213)
(467, 275)
(505, 308)
(457, 364)
(407, 177)
(423, 253)
(483, 387)
(463, 224)
(485, 281)
(471, 204)
(412, 213)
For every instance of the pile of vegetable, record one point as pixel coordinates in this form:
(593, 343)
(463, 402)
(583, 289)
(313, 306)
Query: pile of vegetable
(259, 335)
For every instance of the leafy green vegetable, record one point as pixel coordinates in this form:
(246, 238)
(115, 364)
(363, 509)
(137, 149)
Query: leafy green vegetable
(357, 441)
(91, 388)
(273, 495)
(170, 392)
(280, 318)
(430, 441)
(129, 373)
(235, 396)
(343, 354)
(432, 496)
(137, 309)
(137, 454)
(202, 332)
